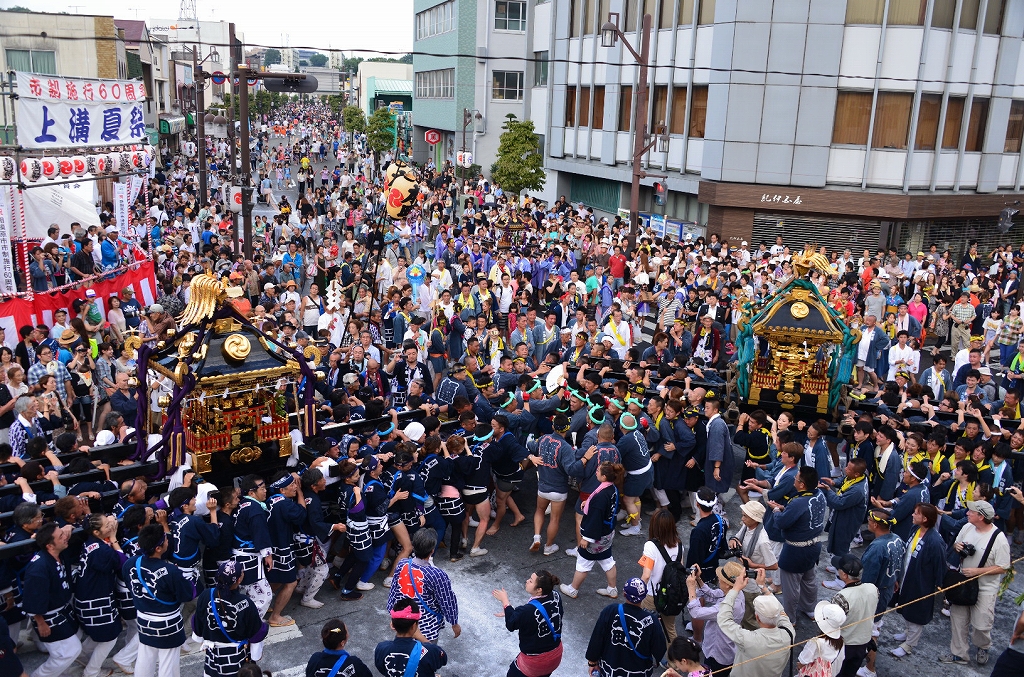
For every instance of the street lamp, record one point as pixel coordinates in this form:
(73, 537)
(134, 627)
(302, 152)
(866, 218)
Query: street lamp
(468, 116)
(199, 77)
(642, 142)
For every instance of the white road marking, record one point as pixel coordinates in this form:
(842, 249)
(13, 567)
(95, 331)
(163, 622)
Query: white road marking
(275, 635)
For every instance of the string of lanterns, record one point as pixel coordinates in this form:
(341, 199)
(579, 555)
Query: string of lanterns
(35, 169)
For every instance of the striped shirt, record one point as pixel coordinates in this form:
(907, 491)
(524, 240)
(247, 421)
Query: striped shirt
(431, 588)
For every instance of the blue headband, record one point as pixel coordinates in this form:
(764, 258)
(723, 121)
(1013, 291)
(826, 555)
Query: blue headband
(388, 430)
(282, 483)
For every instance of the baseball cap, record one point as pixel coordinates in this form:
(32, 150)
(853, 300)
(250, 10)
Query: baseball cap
(156, 308)
(768, 609)
(983, 508)
(268, 286)
(90, 293)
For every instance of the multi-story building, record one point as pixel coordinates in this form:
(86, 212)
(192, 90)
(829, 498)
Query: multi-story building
(490, 73)
(96, 49)
(375, 77)
(93, 49)
(853, 123)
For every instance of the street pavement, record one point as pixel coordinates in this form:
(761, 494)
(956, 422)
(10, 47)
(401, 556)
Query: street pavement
(485, 648)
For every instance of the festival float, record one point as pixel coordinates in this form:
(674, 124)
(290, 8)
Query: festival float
(795, 351)
(233, 390)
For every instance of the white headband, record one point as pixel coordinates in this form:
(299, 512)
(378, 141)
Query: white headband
(712, 504)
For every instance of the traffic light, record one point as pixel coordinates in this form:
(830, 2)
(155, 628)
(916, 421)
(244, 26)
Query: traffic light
(659, 193)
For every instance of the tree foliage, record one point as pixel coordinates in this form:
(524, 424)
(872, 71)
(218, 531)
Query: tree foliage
(353, 119)
(318, 60)
(380, 131)
(520, 164)
(351, 63)
(271, 56)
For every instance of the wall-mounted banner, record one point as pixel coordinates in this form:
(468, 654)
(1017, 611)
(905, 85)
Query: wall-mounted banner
(55, 112)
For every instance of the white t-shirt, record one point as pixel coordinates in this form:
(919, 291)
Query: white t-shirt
(999, 556)
(819, 647)
(653, 560)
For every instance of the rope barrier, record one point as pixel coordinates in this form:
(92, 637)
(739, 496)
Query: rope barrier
(863, 620)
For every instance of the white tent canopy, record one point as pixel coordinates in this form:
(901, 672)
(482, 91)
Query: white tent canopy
(61, 204)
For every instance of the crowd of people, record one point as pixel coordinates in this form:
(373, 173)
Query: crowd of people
(527, 361)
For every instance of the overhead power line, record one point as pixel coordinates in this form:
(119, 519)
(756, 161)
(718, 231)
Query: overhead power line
(530, 59)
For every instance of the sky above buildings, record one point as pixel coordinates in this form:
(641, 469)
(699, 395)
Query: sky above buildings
(359, 25)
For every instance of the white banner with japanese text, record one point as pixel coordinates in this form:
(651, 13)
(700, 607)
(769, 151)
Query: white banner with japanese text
(121, 206)
(8, 195)
(55, 112)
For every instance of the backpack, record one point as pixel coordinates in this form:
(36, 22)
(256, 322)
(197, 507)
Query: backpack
(670, 595)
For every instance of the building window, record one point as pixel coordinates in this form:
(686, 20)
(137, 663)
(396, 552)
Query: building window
(576, 10)
(598, 117)
(584, 106)
(954, 120)
(659, 107)
(666, 8)
(677, 125)
(942, 13)
(436, 84)
(436, 20)
(993, 15)
(625, 107)
(39, 61)
(928, 122)
(507, 85)
(901, 12)
(892, 120)
(570, 107)
(635, 10)
(976, 126)
(510, 16)
(853, 116)
(1014, 128)
(706, 17)
(685, 17)
(540, 69)
(597, 14)
(698, 111)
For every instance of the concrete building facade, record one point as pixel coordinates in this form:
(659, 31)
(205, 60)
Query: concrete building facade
(490, 73)
(859, 122)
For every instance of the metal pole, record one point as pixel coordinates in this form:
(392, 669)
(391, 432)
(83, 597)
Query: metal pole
(246, 174)
(639, 129)
(233, 66)
(465, 123)
(200, 85)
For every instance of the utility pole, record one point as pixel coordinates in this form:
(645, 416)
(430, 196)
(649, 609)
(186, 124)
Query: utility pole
(246, 174)
(200, 85)
(639, 127)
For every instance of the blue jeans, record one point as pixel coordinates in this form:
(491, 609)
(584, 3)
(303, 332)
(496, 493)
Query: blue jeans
(1006, 354)
(376, 558)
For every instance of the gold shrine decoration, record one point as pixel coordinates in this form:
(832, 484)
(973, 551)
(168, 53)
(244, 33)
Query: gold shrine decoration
(246, 455)
(799, 310)
(236, 348)
(205, 291)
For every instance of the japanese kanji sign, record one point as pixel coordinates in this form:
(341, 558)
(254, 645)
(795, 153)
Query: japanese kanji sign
(55, 112)
(8, 198)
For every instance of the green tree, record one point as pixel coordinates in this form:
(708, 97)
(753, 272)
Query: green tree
(380, 132)
(318, 60)
(519, 165)
(353, 118)
(271, 56)
(351, 63)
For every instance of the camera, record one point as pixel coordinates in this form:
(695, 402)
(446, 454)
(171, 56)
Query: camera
(968, 550)
(750, 573)
(731, 552)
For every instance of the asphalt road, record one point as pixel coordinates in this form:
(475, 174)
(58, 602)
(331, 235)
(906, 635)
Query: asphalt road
(485, 648)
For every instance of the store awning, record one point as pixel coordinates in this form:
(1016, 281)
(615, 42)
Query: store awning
(172, 124)
(189, 120)
(153, 135)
